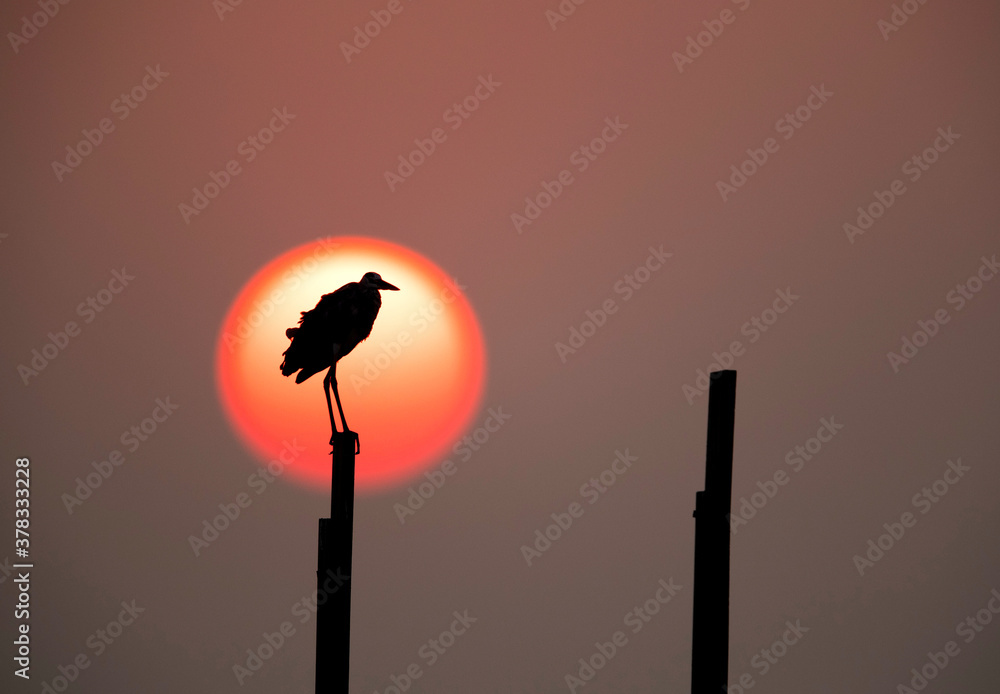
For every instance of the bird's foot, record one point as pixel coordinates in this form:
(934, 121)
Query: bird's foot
(346, 436)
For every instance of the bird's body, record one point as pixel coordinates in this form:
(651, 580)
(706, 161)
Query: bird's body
(340, 321)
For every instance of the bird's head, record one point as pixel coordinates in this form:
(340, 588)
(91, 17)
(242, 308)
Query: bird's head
(373, 280)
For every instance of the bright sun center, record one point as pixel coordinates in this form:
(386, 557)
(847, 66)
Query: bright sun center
(410, 390)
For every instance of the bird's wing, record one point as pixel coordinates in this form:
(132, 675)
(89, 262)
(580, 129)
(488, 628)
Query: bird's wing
(320, 329)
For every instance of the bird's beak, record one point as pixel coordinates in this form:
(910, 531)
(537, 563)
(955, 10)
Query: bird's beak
(382, 284)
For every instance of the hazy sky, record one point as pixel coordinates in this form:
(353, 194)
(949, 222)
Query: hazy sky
(722, 148)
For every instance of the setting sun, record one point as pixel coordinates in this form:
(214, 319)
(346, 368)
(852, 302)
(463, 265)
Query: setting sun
(410, 390)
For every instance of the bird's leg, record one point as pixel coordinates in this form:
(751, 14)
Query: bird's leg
(329, 405)
(336, 394)
(333, 381)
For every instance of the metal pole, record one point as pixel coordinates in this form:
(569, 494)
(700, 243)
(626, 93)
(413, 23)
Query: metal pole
(333, 578)
(710, 644)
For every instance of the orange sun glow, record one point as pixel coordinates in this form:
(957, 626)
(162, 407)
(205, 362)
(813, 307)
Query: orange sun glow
(410, 390)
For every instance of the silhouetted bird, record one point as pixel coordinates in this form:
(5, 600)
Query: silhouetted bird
(340, 321)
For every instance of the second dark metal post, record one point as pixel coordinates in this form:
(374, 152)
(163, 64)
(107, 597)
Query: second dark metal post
(333, 578)
(710, 645)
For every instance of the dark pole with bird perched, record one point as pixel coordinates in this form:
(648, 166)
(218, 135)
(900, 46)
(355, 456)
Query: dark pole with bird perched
(325, 334)
(710, 642)
(333, 577)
